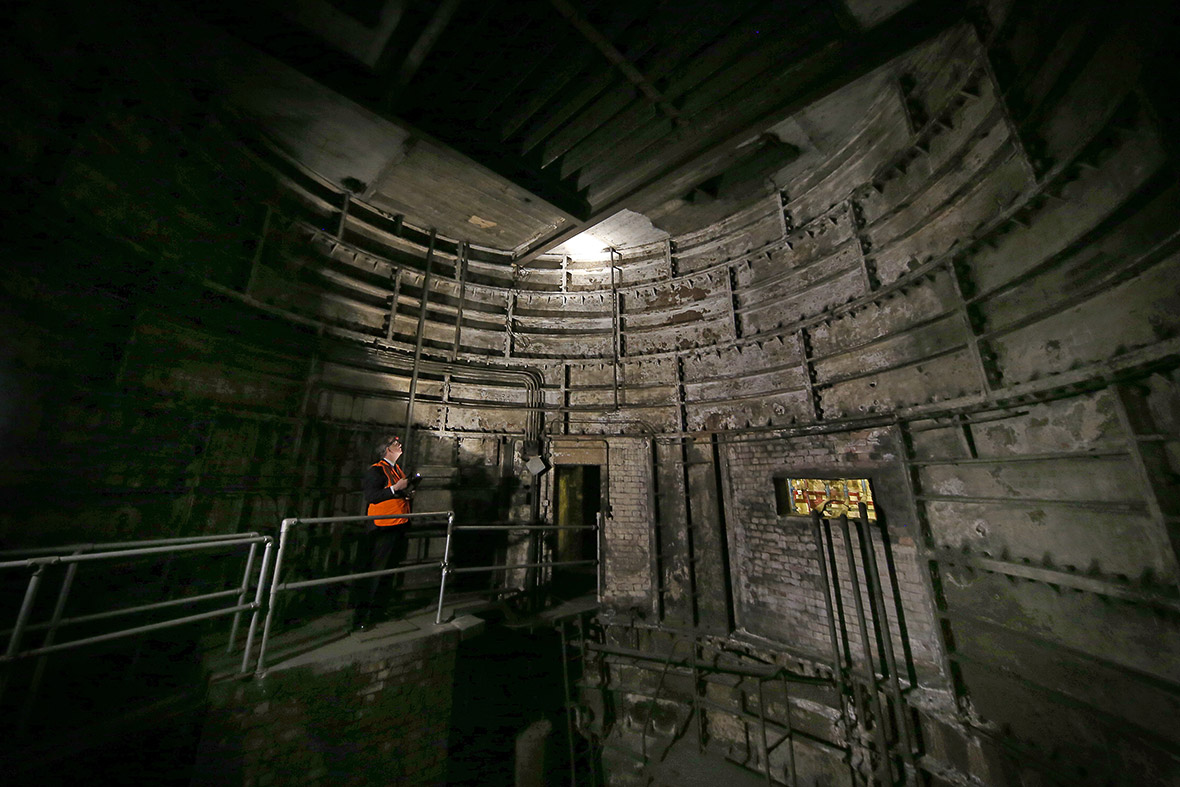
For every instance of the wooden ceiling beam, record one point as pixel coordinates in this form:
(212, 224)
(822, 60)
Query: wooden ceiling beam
(430, 35)
(637, 129)
(833, 68)
(727, 98)
(611, 111)
(615, 57)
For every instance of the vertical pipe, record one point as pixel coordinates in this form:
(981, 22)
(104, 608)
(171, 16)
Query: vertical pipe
(569, 708)
(284, 532)
(425, 302)
(614, 289)
(39, 671)
(696, 700)
(837, 666)
(233, 628)
(446, 567)
(598, 546)
(340, 225)
(833, 565)
(762, 727)
(855, 698)
(461, 263)
(259, 594)
(22, 619)
(393, 299)
(793, 776)
(878, 599)
(874, 695)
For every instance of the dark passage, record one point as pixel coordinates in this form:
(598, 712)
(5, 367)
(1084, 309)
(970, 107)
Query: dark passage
(505, 680)
(579, 501)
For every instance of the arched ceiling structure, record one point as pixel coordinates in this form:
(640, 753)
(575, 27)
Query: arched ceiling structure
(580, 109)
(932, 245)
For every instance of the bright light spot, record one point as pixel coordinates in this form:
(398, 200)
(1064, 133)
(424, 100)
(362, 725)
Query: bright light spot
(584, 246)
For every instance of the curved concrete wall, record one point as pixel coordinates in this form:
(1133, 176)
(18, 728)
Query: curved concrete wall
(972, 300)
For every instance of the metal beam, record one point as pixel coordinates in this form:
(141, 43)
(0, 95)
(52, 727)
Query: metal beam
(846, 61)
(616, 58)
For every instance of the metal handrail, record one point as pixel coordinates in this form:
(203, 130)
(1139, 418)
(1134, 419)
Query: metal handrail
(277, 586)
(447, 570)
(14, 554)
(82, 554)
(444, 567)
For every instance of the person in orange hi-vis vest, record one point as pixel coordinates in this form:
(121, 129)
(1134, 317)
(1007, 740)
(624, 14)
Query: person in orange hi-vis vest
(387, 491)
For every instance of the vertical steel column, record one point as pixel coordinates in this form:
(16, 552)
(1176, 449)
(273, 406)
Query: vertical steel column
(874, 695)
(446, 567)
(569, 722)
(259, 594)
(22, 619)
(425, 302)
(886, 639)
(284, 531)
(233, 628)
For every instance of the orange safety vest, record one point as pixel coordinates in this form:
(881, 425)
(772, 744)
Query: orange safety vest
(396, 505)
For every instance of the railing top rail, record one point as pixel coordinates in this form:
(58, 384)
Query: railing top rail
(323, 520)
(124, 553)
(12, 554)
(526, 527)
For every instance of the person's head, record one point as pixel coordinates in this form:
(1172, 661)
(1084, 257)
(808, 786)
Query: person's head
(390, 448)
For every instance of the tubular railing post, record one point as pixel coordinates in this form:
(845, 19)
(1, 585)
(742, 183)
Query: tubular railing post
(886, 636)
(39, 671)
(284, 529)
(259, 594)
(22, 618)
(569, 706)
(866, 642)
(233, 628)
(446, 567)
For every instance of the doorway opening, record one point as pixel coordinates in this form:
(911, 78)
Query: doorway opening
(577, 504)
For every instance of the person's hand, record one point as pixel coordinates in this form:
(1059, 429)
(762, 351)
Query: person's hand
(400, 485)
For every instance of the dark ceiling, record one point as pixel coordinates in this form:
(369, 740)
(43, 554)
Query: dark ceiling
(591, 105)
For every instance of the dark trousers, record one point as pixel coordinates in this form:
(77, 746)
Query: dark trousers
(382, 548)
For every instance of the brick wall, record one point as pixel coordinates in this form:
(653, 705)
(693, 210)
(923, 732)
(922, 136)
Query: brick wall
(378, 717)
(778, 588)
(629, 522)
